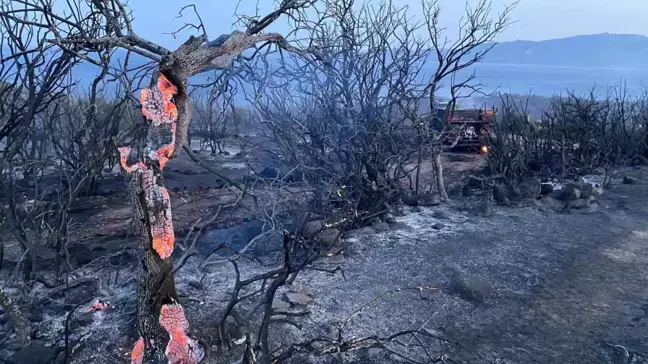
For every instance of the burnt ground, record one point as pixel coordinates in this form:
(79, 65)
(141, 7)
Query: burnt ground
(568, 288)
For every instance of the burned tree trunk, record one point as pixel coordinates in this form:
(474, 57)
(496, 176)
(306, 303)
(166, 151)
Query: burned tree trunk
(152, 212)
(167, 108)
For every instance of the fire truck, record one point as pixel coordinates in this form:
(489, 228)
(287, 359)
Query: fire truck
(471, 127)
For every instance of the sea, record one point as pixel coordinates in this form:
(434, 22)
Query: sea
(539, 80)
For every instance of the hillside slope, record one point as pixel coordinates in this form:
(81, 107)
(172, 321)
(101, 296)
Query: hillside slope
(598, 50)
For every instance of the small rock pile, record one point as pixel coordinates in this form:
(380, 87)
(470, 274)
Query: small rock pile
(528, 189)
(576, 195)
(630, 180)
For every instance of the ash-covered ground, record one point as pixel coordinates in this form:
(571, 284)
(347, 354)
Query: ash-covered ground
(563, 288)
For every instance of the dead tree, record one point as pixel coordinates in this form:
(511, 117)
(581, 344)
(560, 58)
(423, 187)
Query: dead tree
(578, 134)
(338, 118)
(476, 34)
(167, 107)
(213, 112)
(32, 80)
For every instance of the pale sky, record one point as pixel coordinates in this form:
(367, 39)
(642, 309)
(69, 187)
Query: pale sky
(536, 19)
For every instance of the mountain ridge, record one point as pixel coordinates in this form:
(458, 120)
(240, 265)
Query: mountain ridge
(593, 50)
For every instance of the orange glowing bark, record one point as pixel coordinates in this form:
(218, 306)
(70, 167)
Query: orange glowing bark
(137, 355)
(155, 204)
(181, 349)
(159, 109)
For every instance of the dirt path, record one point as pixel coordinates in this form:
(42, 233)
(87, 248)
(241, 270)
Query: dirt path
(570, 288)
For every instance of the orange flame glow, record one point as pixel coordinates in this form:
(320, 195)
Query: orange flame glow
(98, 306)
(181, 349)
(137, 355)
(157, 107)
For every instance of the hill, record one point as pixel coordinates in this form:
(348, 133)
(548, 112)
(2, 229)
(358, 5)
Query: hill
(597, 50)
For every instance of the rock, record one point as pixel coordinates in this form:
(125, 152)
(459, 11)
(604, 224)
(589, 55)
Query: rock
(35, 353)
(548, 204)
(474, 182)
(579, 204)
(530, 188)
(468, 191)
(469, 287)
(269, 173)
(425, 199)
(630, 180)
(381, 227)
(530, 279)
(440, 214)
(588, 205)
(312, 227)
(409, 200)
(546, 188)
(500, 194)
(570, 192)
(399, 226)
(300, 288)
(389, 218)
(189, 172)
(597, 192)
(482, 209)
(279, 305)
(328, 237)
(298, 299)
(375, 353)
(333, 260)
(586, 189)
(429, 199)
(438, 226)
(514, 193)
(335, 251)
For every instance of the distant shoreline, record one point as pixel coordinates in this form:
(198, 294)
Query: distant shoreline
(571, 67)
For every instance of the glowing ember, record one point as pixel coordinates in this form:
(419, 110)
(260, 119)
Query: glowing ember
(137, 355)
(159, 109)
(98, 306)
(181, 348)
(157, 104)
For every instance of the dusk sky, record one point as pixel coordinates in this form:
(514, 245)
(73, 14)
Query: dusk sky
(536, 19)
